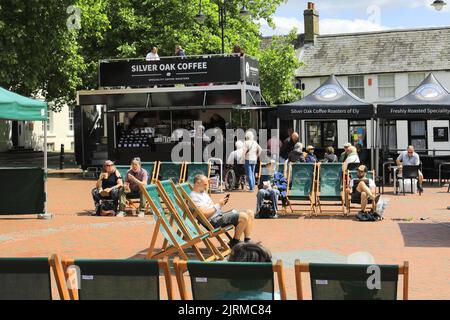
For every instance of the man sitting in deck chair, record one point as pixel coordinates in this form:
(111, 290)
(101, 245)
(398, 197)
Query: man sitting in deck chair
(362, 189)
(135, 176)
(243, 221)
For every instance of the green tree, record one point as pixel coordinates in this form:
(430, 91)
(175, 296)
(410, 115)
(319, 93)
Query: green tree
(278, 63)
(37, 52)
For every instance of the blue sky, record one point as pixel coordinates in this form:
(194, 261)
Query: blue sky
(343, 16)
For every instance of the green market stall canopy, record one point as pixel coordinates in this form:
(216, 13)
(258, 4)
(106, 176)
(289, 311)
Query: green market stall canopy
(16, 107)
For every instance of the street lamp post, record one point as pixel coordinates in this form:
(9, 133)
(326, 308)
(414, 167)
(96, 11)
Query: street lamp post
(222, 4)
(438, 4)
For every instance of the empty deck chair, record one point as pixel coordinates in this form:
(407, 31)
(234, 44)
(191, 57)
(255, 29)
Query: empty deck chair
(194, 168)
(174, 244)
(230, 280)
(117, 279)
(184, 190)
(330, 185)
(174, 171)
(351, 282)
(30, 278)
(181, 214)
(151, 171)
(301, 184)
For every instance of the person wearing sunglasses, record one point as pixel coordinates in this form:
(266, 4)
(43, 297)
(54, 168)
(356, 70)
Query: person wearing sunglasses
(107, 187)
(410, 158)
(363, 189)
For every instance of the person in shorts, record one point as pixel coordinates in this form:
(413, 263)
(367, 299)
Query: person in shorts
(363, 189)
(243, 221)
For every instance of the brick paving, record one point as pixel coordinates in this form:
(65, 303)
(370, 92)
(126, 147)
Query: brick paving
(416, 228)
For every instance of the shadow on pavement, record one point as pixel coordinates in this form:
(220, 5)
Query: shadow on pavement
(426, 234)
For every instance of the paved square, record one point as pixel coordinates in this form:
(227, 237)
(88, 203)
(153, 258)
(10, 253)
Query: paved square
(416, 228)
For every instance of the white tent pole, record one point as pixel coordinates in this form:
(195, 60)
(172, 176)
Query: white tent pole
(46, 215)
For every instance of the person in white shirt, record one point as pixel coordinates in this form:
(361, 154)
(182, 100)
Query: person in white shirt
(363, 189)
(352, 156)
(243, 221)
(153, 54)
(251, 153)
(235, 156)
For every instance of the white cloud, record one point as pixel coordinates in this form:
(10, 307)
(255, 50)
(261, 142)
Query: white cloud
(326, 26)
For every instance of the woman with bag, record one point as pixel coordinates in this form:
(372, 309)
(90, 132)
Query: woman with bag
(251, 153)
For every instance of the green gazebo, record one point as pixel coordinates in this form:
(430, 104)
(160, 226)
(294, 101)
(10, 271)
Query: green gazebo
(26, 188)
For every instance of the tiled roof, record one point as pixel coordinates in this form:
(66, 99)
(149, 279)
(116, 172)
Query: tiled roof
(406, 50)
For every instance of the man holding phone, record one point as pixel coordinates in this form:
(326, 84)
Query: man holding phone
(243, 221)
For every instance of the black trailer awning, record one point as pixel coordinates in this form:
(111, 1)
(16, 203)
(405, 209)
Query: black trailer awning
(163, 98)
(430, 100)
(331, 101)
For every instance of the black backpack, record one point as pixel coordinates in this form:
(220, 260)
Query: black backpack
(368, 216)
(266, 211)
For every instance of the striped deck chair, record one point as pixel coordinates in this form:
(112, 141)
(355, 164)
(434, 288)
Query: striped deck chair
(174, 171)
(184, 191)
(231, 280)
(330, 185)
(351, 282)
(301, 184)
(116, 279)
(175, 243)
(182, 217)
(30, 278)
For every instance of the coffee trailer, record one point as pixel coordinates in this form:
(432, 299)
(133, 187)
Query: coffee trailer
(140, 103)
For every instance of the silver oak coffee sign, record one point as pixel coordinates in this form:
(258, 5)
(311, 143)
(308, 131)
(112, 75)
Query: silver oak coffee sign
(229, 69)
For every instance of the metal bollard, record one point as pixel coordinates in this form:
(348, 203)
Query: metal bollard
(61, 158)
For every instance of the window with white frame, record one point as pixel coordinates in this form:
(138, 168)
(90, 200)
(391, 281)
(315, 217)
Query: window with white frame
(386, 86)
(414, 79)
(49, 122)
(356, 85)
(70, 118)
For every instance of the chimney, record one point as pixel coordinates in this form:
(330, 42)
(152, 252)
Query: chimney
(311, 18)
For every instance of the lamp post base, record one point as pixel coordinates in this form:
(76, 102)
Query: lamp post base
(45, 216)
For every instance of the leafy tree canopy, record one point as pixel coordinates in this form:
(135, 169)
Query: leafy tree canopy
(39, 53)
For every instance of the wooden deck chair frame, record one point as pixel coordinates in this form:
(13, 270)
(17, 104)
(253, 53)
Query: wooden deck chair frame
(184, 231)
(151, 175)
(198, 214)
(73, 292)
(343, 193)
(304, 268)
(312, 196)
(160, 222)
(213, 233)
(348, 194)
(182, 175)
(58, 273)
(180, 267)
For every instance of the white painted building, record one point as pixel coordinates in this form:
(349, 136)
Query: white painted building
(30, 134)
(378, 67)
